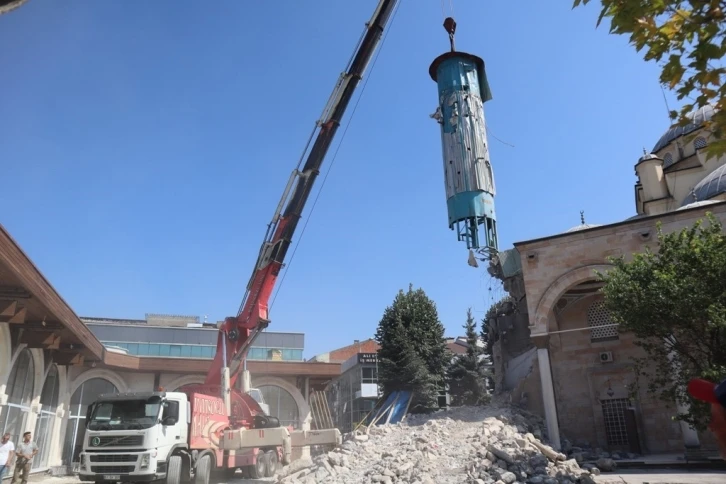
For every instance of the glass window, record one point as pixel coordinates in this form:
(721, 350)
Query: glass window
(46, 419)
(76, 430)
(19, 390)
(153, 350)
(143, 349)
(175, 350)
(164, 350)
(282, 405)
(186, 351)
(369, 375)
(196, 351)
(256, 354)
(133, 348)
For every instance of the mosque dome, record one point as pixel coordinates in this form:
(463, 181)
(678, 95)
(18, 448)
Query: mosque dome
(697, 204)
(648, 156)
(698, 117)
(712, 185)
(577, 228)
(582, 226)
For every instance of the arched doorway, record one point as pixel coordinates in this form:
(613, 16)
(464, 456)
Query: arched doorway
(84, 395)
(282, 405)
(44, 425)
(19, 389)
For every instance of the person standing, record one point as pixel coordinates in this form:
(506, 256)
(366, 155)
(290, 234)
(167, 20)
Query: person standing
(24, 454)
(7, 452)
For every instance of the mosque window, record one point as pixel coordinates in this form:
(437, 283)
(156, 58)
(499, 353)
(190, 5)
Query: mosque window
(667, 159)
(601, 325)
(699, 143)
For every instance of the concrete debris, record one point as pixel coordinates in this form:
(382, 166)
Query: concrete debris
(477, 445)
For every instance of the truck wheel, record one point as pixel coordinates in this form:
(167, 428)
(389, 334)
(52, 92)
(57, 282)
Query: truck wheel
(201, 476)
(259, 469)
(173, 470)
(271, 461)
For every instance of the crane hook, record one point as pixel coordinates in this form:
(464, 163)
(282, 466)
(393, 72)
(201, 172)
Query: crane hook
(450, 26)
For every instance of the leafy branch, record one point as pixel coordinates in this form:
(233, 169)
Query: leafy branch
(688, 40)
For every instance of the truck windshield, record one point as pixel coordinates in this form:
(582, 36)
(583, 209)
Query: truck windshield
(125, 414)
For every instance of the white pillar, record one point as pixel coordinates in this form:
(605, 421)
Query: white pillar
(548, 397)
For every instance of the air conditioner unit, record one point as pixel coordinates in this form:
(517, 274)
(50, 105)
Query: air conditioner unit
(606, 357)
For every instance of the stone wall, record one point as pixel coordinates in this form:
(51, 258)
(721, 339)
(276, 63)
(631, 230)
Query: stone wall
(554, 264)
(582, 382)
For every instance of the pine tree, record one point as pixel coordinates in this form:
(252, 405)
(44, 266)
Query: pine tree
(487, 340)
(413, 354)
(467, 374)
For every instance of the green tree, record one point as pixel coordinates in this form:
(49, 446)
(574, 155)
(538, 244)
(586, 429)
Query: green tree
(674, 301)
(468, 373)
(413, 354)
(688, 39)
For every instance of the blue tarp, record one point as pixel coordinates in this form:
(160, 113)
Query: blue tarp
(395, 404)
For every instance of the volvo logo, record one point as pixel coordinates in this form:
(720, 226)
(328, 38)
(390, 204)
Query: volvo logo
(96, 441)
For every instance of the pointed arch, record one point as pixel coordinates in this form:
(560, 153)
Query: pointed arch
(541, 319)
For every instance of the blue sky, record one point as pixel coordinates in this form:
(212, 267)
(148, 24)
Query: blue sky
(145, 146)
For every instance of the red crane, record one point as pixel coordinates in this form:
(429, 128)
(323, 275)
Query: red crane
(237, 333)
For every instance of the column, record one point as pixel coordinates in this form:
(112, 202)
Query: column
(548, 396)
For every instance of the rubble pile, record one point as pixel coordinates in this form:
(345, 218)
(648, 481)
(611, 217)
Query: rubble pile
(478, 445)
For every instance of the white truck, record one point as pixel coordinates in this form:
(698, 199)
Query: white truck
(180, 436)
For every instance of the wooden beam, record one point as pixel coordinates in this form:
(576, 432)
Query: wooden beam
(19, 317)
(10, 313)
(41, 339)
(14, 260)
(73, 359)
(8, 308)
(45, 326)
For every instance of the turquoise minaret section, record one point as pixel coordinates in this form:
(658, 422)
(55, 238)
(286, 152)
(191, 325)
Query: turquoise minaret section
(468, 176)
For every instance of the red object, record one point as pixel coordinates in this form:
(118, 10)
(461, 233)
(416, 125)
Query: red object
(237, 333)
(702, 390)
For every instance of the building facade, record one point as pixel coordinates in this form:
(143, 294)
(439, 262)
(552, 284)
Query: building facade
(353, 394)
(185, 337)
(53, 364)
(557, 350)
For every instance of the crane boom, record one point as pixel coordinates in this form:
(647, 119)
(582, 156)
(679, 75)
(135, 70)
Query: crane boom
(238, 333)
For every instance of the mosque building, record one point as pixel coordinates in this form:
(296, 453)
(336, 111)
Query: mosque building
(557, 350)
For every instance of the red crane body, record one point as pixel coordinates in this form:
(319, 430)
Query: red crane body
(237, 333)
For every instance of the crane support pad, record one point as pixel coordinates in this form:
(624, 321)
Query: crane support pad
(251, 438)
(301, 438)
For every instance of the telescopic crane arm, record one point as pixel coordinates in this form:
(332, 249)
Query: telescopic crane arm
(237, 333)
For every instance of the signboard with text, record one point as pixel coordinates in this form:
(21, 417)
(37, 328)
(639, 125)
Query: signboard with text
(368, 358)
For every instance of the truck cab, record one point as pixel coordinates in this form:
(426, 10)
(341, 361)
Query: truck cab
(133, 436)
